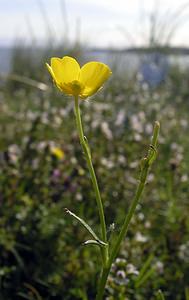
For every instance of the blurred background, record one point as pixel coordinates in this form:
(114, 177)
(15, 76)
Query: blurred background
(105, 31)
(42, 169)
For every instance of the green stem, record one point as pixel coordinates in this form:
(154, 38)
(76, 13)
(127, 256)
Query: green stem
(116, 247)
(102, 282)
(146, 163)
(87, 153)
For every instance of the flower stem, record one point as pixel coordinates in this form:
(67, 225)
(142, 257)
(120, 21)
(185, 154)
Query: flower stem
(145, 165)
(87, 153)
(102, 282)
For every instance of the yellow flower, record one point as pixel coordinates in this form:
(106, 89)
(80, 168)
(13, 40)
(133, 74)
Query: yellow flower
(76, 81)
(57, 152)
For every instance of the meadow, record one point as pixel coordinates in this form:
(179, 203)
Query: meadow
(43, 171)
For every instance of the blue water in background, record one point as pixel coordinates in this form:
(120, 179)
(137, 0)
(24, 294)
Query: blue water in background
(5, 59)
(152, 66)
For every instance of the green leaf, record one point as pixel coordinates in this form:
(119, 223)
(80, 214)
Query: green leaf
(145, 272)
(160, 295)
(187, 293)
(87, 227)
(94, 242)
(18, 258)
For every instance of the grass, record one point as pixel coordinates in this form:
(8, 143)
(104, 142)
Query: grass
(42, 252)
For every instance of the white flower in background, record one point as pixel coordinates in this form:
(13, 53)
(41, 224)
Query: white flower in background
(183, 252)
(131, 269)
(159, 266)
(106, 130)
(139, 237)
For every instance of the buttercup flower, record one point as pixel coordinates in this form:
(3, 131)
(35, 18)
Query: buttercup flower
(76, 81)
(57, 152)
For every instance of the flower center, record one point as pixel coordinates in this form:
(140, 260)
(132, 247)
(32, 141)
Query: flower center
(76, 87)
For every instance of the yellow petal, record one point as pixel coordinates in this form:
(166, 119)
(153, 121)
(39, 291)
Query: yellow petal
(57, 152)
(51, 71)
(93, 75)
(65, 88)
(65, 70)
(62, 87)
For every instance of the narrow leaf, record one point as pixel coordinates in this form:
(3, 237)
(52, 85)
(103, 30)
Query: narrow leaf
(187, 293)
(144, 271)
(94, 242)
(18, 258)
(145, 277)
(87, 227)
(160, 295)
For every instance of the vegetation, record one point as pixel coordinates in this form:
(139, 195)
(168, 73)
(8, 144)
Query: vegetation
(43, 172)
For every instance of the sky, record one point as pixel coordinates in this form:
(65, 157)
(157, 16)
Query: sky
(94, 23)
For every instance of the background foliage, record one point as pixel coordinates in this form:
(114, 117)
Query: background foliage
(42, 256)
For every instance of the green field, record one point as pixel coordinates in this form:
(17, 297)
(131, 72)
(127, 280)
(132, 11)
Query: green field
(41, 248)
